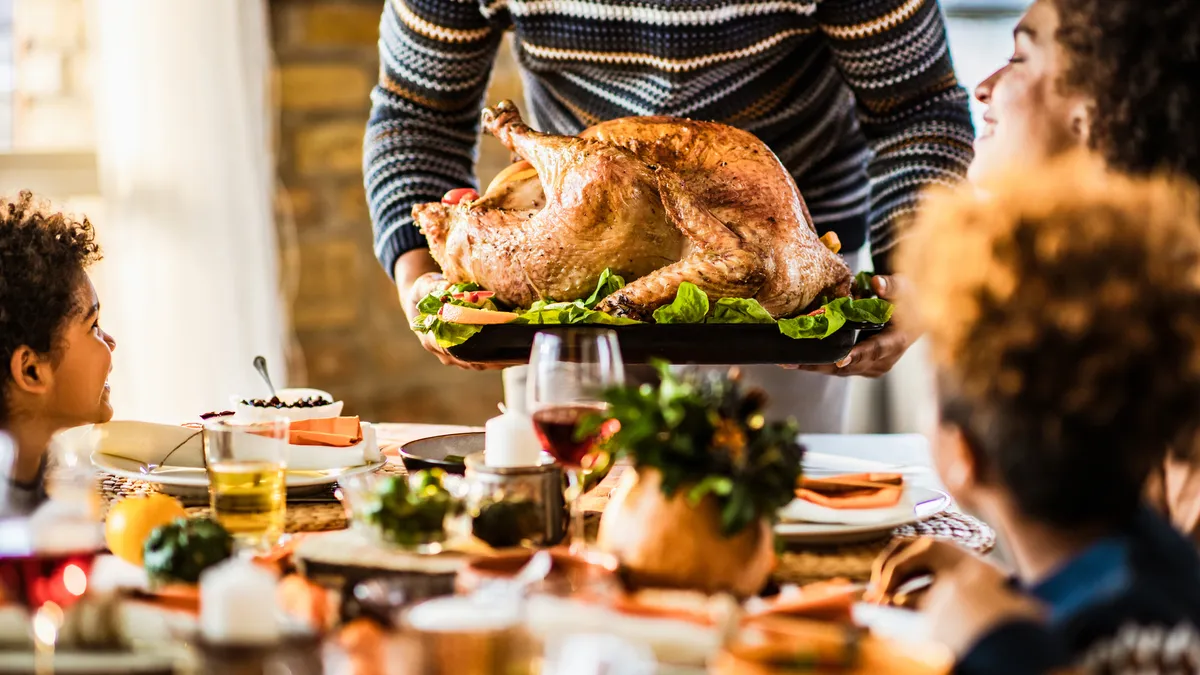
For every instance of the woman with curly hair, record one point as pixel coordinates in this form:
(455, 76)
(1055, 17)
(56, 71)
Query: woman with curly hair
(1118, 77)
(1063, 310)
(56, 358)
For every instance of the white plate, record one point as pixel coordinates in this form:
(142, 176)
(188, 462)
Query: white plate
(176, 480)
(926, 503)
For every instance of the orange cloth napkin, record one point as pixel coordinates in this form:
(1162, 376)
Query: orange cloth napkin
(338, 432)
(853, 491)
(826, 600)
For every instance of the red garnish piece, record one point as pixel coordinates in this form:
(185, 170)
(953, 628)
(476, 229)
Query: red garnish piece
(458, 194)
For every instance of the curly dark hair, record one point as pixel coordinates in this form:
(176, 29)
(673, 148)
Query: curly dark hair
(1138, 61)
(1063, 308)
(43, 255)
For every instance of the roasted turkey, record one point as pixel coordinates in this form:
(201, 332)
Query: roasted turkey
(658, 200)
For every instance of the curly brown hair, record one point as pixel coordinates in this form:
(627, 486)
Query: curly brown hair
(1063, 308)
(1138, 61)
(43, 255)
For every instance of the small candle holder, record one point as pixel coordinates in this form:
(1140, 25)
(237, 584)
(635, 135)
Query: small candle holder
(516, 506)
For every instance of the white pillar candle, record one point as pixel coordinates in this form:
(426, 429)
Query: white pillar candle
(238, 604)
(509, 440)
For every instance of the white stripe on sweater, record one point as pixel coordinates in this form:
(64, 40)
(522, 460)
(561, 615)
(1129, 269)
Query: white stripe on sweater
(658, 16)
(669, 65)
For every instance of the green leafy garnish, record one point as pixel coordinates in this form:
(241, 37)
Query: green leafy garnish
(609, 283)
(833, 315)
(862, 284)
(690, 306)
(707, 436)
(868, 310)
(446, 333)
(410, 510)
(182, 549)
(569, 313)
(739, 310)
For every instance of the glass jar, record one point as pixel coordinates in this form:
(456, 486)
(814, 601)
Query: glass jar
(516, 506)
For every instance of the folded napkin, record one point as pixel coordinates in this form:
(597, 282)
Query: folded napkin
(338, 432)
(852, 499)
(322, 448)
(853, 491)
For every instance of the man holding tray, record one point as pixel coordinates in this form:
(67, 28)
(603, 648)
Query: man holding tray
(857, 98)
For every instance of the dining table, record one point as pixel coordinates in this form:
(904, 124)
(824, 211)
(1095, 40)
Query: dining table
(908, 454)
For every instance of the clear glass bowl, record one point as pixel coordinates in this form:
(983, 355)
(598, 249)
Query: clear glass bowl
(361, 496)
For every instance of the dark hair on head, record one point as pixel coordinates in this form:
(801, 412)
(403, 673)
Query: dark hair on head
(1140, 62)
(43, 255)
(1063, 308)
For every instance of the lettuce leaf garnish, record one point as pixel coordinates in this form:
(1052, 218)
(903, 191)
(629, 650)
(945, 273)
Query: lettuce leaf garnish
(834, 314)
(448, 334)
(609, 283)
(739, 310)
(690, 306)
(543, 312)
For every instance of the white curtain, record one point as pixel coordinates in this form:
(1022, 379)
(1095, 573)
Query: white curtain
(190, 284)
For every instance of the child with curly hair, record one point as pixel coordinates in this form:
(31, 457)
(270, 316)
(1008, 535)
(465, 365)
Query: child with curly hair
(1063, 311)
(56, 358)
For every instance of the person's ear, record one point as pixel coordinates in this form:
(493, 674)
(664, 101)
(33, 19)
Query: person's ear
(31, 371)
(957, 464)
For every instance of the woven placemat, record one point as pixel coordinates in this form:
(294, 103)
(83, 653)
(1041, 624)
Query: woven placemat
(313, 513)
(853, 561)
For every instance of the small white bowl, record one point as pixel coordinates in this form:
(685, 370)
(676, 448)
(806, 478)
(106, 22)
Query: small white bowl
(250, 413)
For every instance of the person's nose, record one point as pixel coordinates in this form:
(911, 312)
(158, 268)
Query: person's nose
(983, 91)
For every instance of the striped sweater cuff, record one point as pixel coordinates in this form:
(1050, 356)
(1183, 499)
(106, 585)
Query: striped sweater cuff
(405, 238)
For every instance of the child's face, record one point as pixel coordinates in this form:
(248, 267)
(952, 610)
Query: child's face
(78, 392)
(1029, 118)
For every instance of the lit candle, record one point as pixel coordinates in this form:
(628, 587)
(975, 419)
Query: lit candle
(238, 604)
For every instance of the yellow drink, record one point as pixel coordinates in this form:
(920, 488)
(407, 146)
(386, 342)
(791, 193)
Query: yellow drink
(249, 500)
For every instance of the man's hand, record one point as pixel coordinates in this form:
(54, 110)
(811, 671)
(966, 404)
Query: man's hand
(876, 355)
(417, 275)
(904, 560)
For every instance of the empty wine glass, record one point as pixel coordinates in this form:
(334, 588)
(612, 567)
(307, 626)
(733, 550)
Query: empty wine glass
(568, 373)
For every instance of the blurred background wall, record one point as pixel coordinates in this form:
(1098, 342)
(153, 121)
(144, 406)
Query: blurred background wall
(345, 331)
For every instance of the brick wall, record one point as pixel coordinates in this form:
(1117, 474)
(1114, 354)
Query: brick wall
(352, 335)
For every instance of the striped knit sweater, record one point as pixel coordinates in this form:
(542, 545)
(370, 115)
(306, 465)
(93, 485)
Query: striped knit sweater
(858, 98)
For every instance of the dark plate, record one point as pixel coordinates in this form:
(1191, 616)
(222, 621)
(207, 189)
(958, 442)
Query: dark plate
(678, 343)
(430, 453)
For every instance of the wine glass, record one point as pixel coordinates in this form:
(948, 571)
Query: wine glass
(46, 557)
(568, 373)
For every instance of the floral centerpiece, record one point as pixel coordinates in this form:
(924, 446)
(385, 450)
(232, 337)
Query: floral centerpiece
(710, 472)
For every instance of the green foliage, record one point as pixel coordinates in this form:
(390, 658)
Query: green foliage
(708, 436)
(182, 549)
(411, 510)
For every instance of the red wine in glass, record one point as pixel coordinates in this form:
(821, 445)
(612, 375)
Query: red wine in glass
(36, 578)
(557, 428)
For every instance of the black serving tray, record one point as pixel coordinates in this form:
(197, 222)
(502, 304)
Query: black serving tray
(713, 344)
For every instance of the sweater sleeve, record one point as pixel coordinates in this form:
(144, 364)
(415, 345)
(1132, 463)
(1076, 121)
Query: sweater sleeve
(895, 57)
(1015, 647)
(422, 138)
